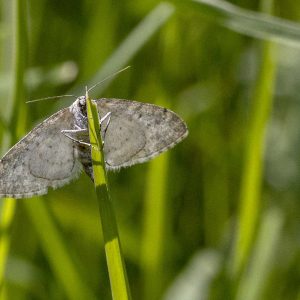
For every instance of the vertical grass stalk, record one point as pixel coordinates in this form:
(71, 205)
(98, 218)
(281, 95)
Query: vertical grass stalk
(56, 251)
(115, 262)
(17, 124)
(154, 241)
(133, 43)
(6, 218)
(250, 195)
(255, 281)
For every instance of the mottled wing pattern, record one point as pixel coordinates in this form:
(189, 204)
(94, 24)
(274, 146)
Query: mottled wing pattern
(137, 131)
(43, 158)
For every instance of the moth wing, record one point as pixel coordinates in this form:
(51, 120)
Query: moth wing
(43, 158)
(137, 131)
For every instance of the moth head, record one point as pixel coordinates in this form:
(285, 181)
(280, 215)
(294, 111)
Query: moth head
(81, 101)
(79, 105)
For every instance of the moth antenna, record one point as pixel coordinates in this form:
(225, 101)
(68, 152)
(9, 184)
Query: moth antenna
(108, 77)
(49, 98)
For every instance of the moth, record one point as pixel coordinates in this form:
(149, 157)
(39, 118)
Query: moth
(55, 151)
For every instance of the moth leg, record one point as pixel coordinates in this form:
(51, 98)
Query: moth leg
(77, 135)
(68, 132)
(79, 130)
(107, 116)
(82, 115)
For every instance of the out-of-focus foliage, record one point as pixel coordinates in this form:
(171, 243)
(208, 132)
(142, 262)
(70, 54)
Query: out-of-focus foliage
(177, 215)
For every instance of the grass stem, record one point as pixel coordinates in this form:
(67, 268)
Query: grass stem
(115, 262)
(250, 195)
(17, 126)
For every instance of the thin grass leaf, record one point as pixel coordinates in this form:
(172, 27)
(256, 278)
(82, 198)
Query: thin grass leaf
(253, 169)
(7, 212)
(17, 125)
(250, 195)
(139, 36)
(248, 22)
(154, 239)
(56, 251)
(254, 281)
(115, 262)
(196, 279)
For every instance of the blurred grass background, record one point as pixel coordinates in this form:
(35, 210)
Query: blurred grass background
(217, 217)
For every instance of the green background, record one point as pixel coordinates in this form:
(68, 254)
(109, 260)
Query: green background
(217, 217)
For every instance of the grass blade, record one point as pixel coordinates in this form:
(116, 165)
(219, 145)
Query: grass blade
(254, 280)
(115, 262)
(56, 251)
(154, 236)
(253, 161)
(247, 22)
(6, 218)
(17, 124)
(130, 46)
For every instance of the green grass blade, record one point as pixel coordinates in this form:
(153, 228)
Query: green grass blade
(247, 22)
(115, 262)
(6, 217)
(253, 162)
(56, 251)
(154, 239)
(17, 125)
(254, 280)
(130, 46)
(252, 174)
